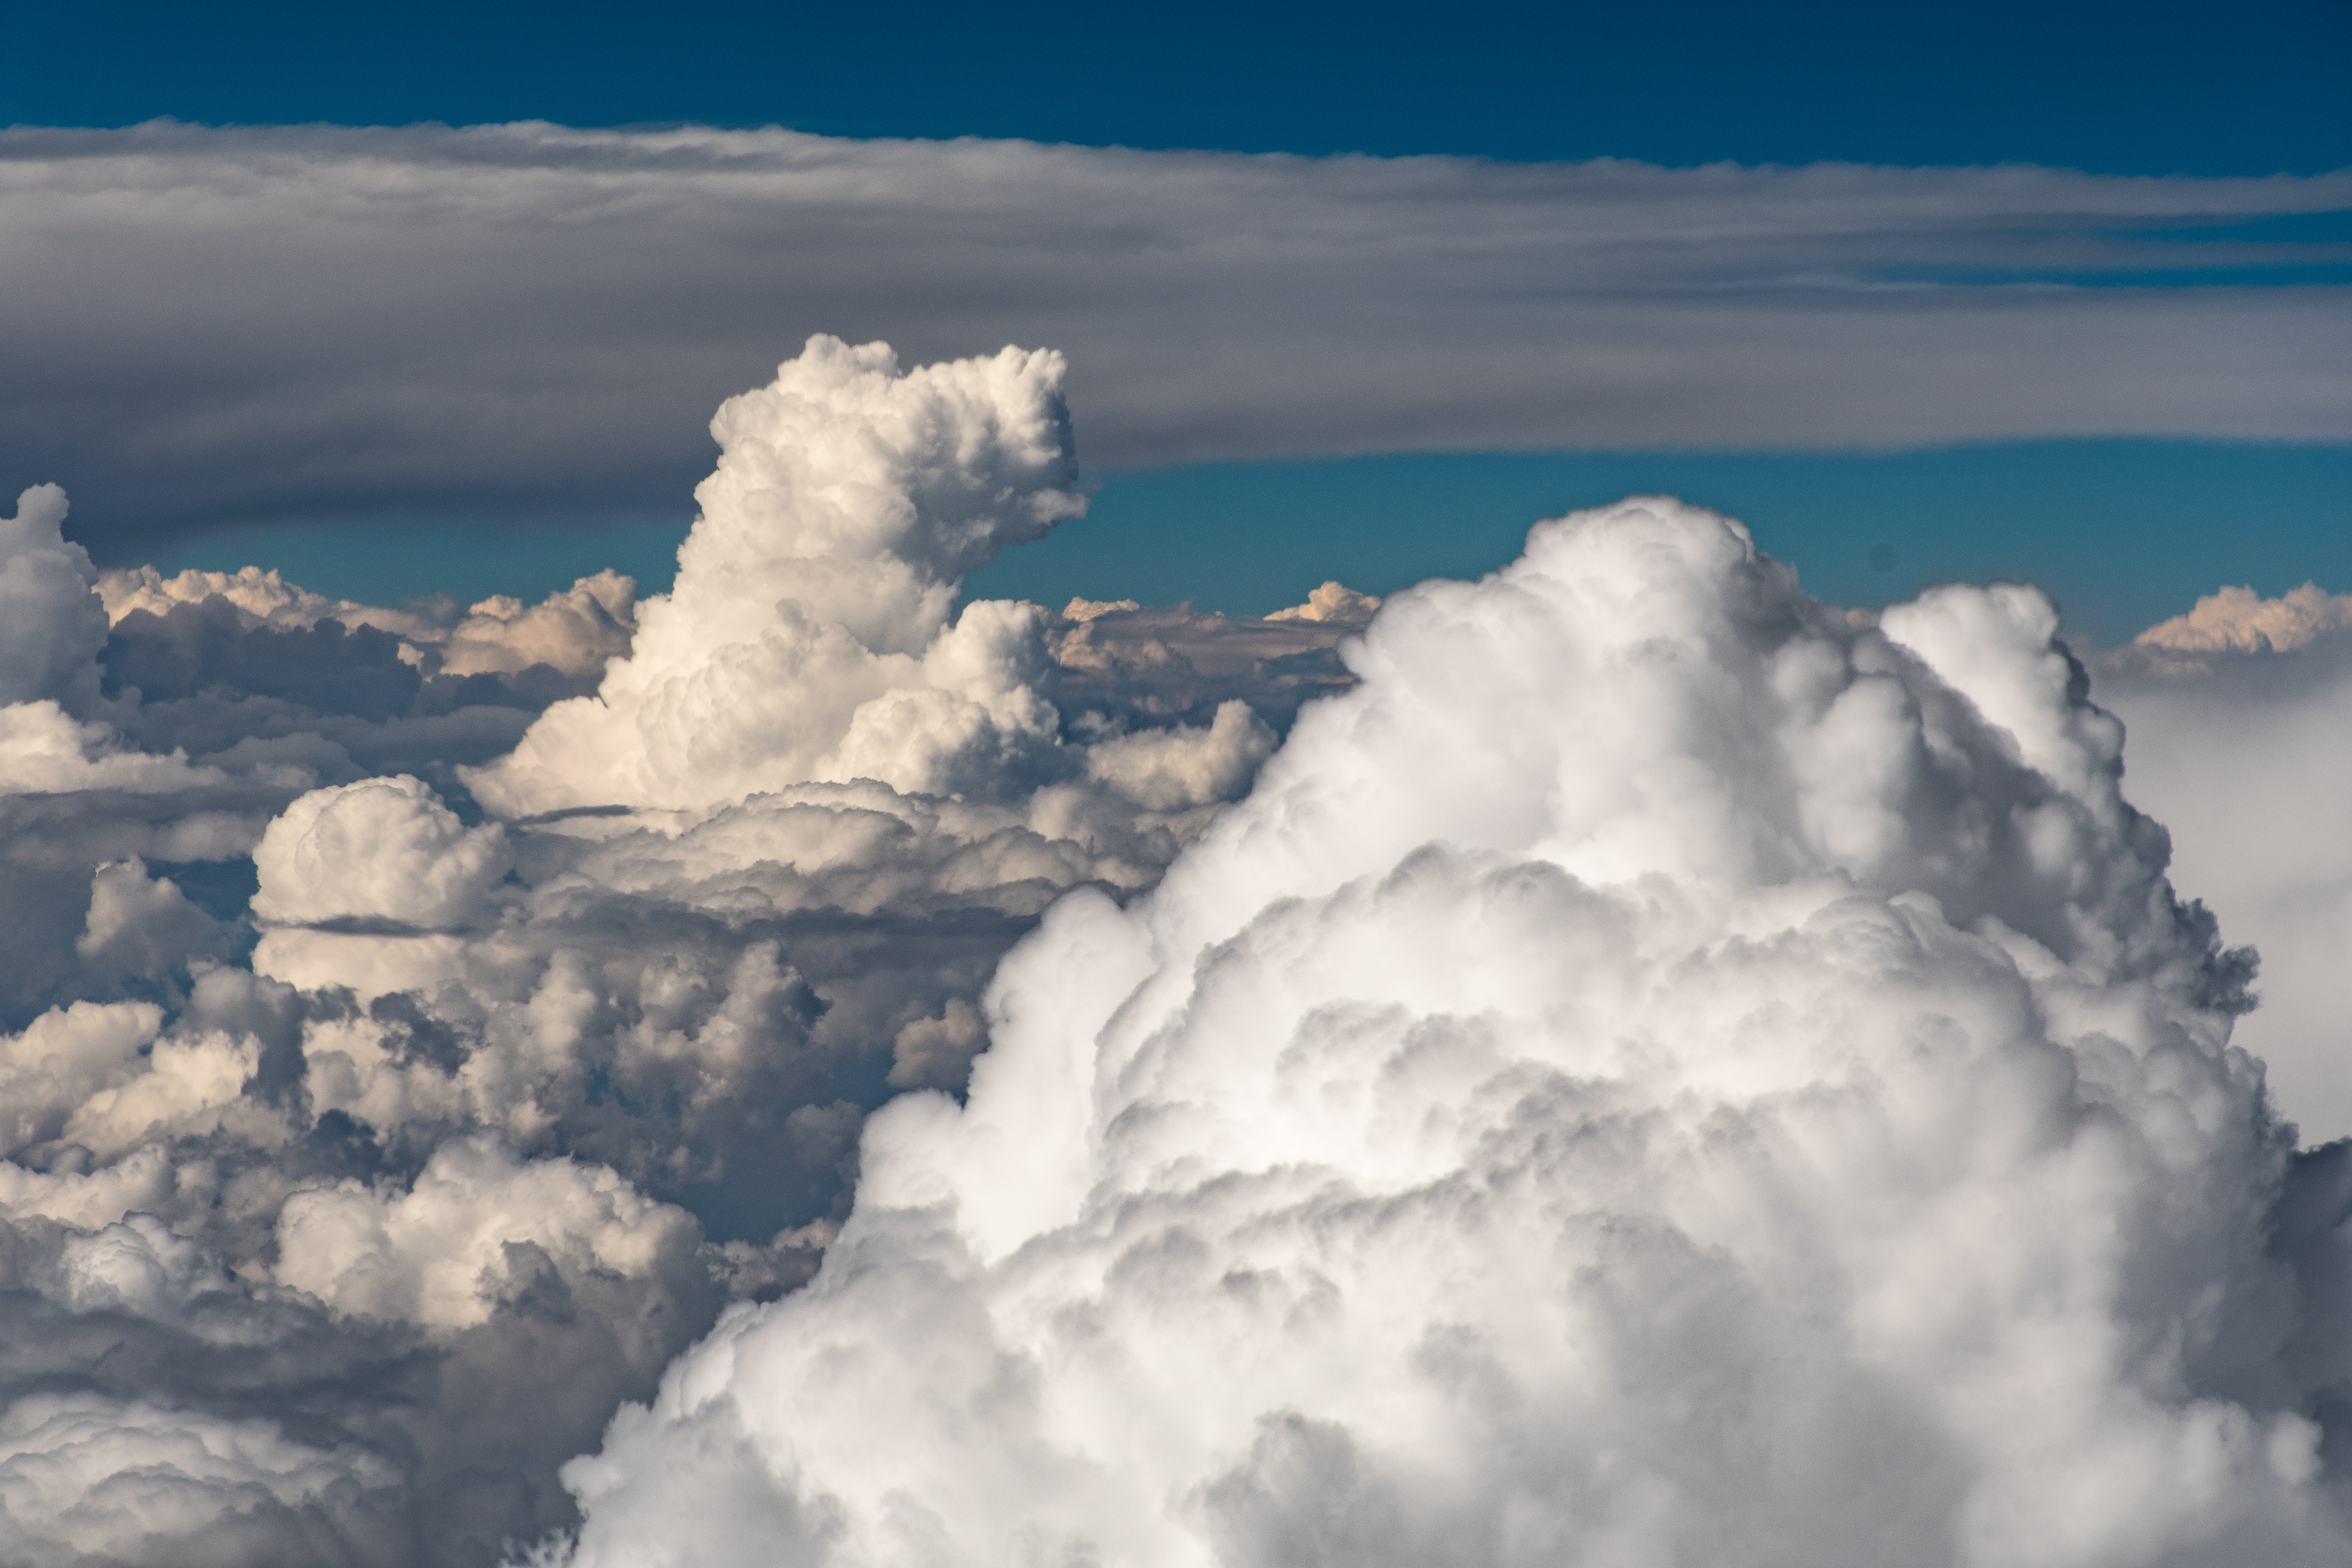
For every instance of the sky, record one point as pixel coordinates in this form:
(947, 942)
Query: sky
(2172, 89)
(2173, 93)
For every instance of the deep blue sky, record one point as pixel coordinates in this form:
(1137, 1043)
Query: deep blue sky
(2159, 87)
(2124, 531)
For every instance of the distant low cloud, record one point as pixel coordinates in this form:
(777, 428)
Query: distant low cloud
(233, 325)
(2241, 719)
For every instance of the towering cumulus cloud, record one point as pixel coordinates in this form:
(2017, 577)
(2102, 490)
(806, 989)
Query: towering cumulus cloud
(1657, 1073)
(809, 637)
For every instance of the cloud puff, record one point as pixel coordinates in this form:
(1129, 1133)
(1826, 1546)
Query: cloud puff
(45, 750)
(216, 325)
(51, 625)
(144, 925)
(1655, 1071)
(575, 632)
(809, 635)
(382, 849)
(440, 1253)
(2238, 621)
(1333, 602)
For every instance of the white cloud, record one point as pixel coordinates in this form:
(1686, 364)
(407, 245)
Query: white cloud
(143, 925)
(440, 1253)
(527, 316)
(1657, 1072)
(45, 750)
(86, 1479)
(1333, 602)
(812, 634)
(1181, 767)
(1653, 1049)
(413, 1165)
(578, 631)
(51, 624)
(62, 1058)
(2241, 621)
(384, 849)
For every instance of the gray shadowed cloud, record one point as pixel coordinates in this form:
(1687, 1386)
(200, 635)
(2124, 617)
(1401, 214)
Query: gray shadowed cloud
(233, 325)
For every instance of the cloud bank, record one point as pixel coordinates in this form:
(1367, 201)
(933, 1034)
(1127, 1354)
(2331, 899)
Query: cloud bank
(362, 1149)
(1644, 1051)
(233, 325)
(1654, 1073)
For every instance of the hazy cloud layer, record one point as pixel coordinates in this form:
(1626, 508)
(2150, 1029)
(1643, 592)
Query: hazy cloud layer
(238, 324)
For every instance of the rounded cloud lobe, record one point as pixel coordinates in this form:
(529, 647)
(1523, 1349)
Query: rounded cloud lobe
(382, 849)
(1656, 1073)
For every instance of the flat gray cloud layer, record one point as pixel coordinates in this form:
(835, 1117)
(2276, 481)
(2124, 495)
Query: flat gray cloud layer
(230, 325)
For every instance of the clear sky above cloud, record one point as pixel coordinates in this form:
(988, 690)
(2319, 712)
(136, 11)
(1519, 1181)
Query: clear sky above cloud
(2158, 89)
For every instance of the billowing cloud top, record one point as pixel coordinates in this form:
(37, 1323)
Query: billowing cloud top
(1654, 1074)
(808, 637)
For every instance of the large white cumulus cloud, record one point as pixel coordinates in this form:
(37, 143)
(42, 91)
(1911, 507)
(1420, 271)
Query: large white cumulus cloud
(1657, 1074)
(809, 635)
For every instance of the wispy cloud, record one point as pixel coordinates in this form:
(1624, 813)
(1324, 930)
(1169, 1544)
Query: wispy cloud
(209, 326)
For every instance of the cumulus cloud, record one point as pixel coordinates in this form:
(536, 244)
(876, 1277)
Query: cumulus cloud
(441, 1253)
(142, 925)
(812, 633)
(1649, 1049)
(1334, 602)
(2238, 621)
(574, 632)
(217, 325)
(341, 1116)
(1656, 1071)
(51, 625)
(382, 849)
